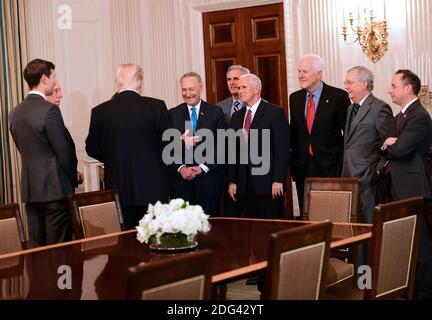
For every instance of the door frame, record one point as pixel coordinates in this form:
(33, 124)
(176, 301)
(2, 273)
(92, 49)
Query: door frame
(196, 9)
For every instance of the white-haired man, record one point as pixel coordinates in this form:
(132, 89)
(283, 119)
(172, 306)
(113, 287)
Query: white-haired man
(317, 118)
(261, 195)
(126, 135)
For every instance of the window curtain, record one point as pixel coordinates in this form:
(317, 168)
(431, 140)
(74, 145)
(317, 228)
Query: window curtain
(13, 57)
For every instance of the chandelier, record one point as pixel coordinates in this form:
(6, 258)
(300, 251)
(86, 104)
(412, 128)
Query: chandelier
(371, 35)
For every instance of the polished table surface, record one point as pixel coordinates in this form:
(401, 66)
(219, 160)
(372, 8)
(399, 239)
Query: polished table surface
(99, 265)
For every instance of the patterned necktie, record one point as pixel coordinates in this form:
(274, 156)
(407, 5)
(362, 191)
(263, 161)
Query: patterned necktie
(354, 111)
(310, 117)
(247, 124)
(236, 106)
(194, 120)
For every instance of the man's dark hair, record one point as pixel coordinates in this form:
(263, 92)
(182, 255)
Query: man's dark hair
(409, 77)
(34, 71)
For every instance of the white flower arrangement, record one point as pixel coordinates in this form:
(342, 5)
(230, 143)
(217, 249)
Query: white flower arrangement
(177, 216)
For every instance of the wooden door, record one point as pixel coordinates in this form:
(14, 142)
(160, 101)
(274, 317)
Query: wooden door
(253, 37)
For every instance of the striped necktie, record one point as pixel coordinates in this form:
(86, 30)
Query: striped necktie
(236, 106)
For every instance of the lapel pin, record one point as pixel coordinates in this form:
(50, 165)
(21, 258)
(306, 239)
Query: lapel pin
(327, 101)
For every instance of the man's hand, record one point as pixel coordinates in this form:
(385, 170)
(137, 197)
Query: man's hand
(232, 190)
(80, 177)
(189, 141)
(197, 170)
(388, 142)
(187, 173)
(277, 190)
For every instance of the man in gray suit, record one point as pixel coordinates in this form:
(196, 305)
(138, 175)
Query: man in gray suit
(368, 124)
(49, 163)
(233, 103)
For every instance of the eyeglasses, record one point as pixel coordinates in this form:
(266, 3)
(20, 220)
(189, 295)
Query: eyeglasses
(349, 83)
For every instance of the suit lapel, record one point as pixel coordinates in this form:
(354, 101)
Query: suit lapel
(299, 109)
(363, 111)
(322, 106)
(404, 117)
(258, 115)
(202, 114)
(186, 117)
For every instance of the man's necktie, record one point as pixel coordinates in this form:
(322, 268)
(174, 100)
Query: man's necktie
(247, 124)
(310, 116)
(398, 120)
(194, 120)
(354, 111)
(236, 106)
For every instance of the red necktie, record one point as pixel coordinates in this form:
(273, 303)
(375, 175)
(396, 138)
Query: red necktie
(310, 116)
(247, 124)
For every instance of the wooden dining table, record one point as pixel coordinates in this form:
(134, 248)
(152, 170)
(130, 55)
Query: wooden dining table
(96, 268)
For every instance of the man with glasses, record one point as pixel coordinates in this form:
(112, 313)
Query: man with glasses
(368, 123)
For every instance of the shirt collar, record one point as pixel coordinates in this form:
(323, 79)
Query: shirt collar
(255, 106)
(128, 89)
(197, 107)
(317, 92)
(363, 100)
(404, 109)
(38, 93)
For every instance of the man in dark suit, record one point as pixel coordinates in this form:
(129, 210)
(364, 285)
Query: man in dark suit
(49, 163)
(317, 120)
(408, 171)
(265, 132)
(229, 106)
(232, 103)
(409, 147)
(126, 135)
(194, 181)
(367, 126)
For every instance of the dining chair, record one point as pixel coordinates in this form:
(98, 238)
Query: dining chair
(338, 200)
(392, 255)
(95, 213)
(186, 276)
(12, 236)
(297, 263)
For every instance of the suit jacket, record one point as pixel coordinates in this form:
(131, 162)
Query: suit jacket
(363, 140)
(410, 155)
(226, 106)
(271, 117)
(49, 162)
(126, 135)
(211, 118)
(326, 136)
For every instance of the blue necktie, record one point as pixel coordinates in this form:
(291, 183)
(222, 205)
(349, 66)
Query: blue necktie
(194, 120)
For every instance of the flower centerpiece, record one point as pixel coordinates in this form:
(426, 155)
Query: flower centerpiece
(172, 226)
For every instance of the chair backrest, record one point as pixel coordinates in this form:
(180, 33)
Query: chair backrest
(335, 199)
(394, 247)
(297, 263)
(95, 213)
(12, 236)
(184, 277)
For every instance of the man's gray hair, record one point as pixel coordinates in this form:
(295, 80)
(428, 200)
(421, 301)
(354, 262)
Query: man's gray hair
(242, 69)
(318, 62)
(253, 79)
(365, 74)
(192, 74)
